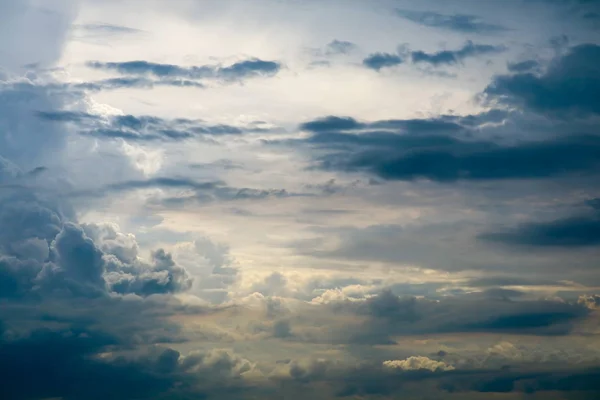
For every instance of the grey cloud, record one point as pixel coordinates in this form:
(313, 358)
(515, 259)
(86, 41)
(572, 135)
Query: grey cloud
(237, 71)
(463, 23)
(162, 183)
(524, 66)
(340, 47)
(27, 141)
(567, 87)
(107, 29)
(47, 364)
(572, 232)
(41, 32)
(145, 128)
(450, 57)
(389, 315)
(430, 149)
(135, 83)
(162, 276)
(56, 256)
(492, 280)
(201, 191)
(443, 124)
(378, 61)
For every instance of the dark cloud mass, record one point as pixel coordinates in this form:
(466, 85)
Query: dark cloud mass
(568, 86)
(418, 155)
(574, 232)
(445, 149)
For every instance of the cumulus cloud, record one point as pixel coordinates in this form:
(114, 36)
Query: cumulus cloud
(418, 363)
(377, 61)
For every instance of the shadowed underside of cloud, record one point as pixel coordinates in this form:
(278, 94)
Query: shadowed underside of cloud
(390, 315)
(190, 191)
(145, 128)
(450, 57)
(377, 61)
(575, 232)
(463, 23)
(107, 29)
(442, 124)
(234, 72)
(524, 66)
(444, 158)
(569, 86)
(445, 148)
(136, 83)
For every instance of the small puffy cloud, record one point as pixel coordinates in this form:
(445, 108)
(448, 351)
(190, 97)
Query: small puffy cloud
(378, 61)
(590, 301)
(418, 363)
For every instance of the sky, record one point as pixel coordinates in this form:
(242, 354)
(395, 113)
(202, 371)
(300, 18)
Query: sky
(292, 199)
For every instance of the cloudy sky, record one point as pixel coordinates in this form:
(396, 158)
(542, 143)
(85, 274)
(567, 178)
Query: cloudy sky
(299, 199)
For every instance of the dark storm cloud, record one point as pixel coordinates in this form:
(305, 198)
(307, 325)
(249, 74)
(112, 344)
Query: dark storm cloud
(413, 156)
(237, 71)
(49, 364)
(377, 61)
(569, 86)
(582, 381)
(463, 23)
(65, 364)
(450, 57)
(573, 232)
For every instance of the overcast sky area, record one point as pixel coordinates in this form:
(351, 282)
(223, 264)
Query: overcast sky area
(299, 199)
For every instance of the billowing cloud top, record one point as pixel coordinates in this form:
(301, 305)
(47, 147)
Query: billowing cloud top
(283, 199)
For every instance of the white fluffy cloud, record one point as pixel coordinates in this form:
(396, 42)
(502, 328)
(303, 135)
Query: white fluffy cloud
(417, 363)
